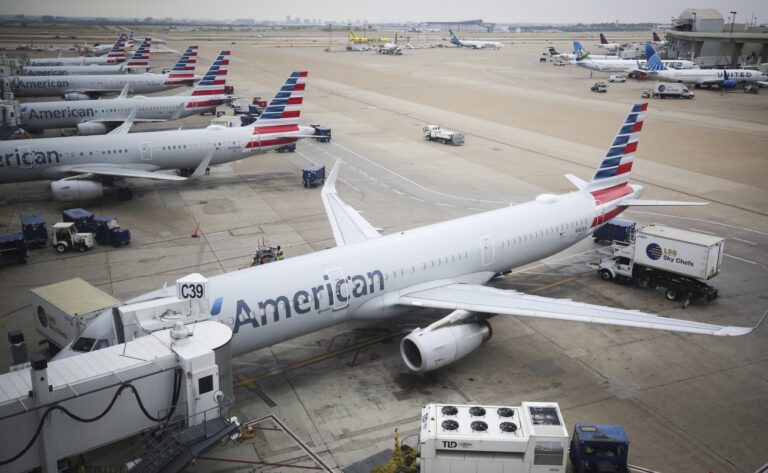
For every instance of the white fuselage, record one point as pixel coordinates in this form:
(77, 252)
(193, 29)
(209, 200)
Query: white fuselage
(278, 301)
(71, 70)
(36, 116)
(74, 61)
(51, 158)
(55, 86)
(709, 76)
(480, 44)
(630, 65)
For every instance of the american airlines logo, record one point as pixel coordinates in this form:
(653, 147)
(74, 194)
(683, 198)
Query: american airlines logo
(44, 84)
(26, 159)
(58, 113)
(302, 302)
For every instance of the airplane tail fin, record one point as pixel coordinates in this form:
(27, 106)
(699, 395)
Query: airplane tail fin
(187, 61)
(616, 166)
(117, 53)
(285, 108)
(602, 39)
(212, 83)
(579, 52)
(454, 39)
(141, 57)
(352, 36)
(654, 62)
(656, 37)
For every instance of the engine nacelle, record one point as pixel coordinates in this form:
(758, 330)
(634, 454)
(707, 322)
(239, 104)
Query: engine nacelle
(91, 128)
(76, 96)
(729, 84)
(68, 190)
(424, 351)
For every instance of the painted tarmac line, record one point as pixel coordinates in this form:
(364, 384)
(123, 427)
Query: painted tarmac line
(744, 241)
(397, 192)
(740, 259)
(416, 198)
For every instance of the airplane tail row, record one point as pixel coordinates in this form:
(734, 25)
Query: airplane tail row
(579, 52)
(616, 167)
(656, 37)
(187, 61)
(602, 39)
(278, 125)
(117, 53)
(141, 57)
(210, 90)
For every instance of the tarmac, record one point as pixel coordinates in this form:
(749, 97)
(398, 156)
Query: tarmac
(689, 403)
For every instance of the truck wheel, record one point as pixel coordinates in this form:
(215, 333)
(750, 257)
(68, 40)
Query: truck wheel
(671, 295)
(61, 248)
(606, 275)
(82, 248)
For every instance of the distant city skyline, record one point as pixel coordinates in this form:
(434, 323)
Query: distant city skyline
(493, 11)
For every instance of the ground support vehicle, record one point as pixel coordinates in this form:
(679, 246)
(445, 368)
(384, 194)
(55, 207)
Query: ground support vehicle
(677, 260)
(323, 133)
(664, 90)
(616, 78)
(313, 175)
(599, 448)
(289, 148)
(599, 87)
(13, 247)
(66, 237)
(109, 232)
(615, 230)
(435, 133)
(34, 230)
(83, 219)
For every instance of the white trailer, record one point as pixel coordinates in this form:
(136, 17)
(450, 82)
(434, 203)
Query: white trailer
(435, 133)
(664, 90)
(63, 310)
(677, 260)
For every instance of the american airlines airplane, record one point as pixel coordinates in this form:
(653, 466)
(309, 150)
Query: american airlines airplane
(115, 54)
(724, 78)
(442, 266)
(83, 165)
(461, 43)
(86, 87)
(138, 61)
(97, 117)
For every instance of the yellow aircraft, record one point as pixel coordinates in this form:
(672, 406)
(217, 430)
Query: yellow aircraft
(365, 39)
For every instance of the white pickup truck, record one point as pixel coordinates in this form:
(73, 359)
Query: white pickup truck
(435, 133)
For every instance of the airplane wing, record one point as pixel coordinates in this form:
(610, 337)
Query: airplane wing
(347, 224)
(125, 127)
(476, 298)
(119, 171)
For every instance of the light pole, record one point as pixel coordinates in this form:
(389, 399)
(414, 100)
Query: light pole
(693, 26)
(733, 18)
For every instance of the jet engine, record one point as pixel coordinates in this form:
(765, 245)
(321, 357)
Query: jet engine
(729, 84)
(73, 189)
(76, 96)
(427, 350)
(91, 128)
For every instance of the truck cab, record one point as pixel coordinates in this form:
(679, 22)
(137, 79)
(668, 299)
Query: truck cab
(599, 448)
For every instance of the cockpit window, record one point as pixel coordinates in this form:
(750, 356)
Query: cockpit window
(83, 344)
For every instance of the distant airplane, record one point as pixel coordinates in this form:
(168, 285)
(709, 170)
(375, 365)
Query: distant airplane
(390, 48)
(365, 39)
(97, 117)
(578, 51)
(116, 54)
(461, 43)
(444, 266)
(138, 61)
(90, 86)
(657, 41)
(606, 45)
(723, 78)
(83, 165)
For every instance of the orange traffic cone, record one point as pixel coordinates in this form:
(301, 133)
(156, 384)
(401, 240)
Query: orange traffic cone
(196, 233)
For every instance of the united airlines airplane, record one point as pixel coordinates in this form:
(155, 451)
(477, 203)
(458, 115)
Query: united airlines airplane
(82, 165)
(628, 66)
(724, 78)
(138, 61)
(442, 266)
(97, 117)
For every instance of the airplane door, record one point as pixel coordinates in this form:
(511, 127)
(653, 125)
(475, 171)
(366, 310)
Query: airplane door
(145, 148)
(486, 246)
(340, 287)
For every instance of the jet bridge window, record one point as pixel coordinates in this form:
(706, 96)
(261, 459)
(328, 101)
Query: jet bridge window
(205, 384)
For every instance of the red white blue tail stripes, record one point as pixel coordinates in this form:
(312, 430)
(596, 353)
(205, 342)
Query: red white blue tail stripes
(117, 53)
(617, 164)
(281, 117)
(141, 57)
(209, 91)
(187, 62)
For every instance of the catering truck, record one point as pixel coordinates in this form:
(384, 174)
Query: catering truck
(679, 261)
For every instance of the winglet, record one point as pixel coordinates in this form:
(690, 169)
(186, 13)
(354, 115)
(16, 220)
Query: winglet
(126, 125)
(737, 331)
(330, 182)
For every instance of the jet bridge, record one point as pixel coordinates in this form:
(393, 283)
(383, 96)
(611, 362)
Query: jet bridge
(172, 378)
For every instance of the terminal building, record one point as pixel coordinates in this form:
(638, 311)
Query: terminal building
(703, 35)
(469, 26)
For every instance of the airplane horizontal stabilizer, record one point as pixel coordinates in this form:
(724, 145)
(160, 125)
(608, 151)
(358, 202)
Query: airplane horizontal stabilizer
(660, 203)
(489, 300)
(580, 183)
(347, 224)
(118, 171)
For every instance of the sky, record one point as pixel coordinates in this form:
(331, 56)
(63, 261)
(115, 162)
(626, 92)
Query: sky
(498, 11)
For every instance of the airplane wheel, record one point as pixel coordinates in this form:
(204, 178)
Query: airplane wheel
(606, 275)
(125, 193)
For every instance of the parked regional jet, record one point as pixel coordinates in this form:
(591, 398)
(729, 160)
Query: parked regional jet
(628, 66)
(442, 266)
(85, 87)
(475, 44)
(139, 61)
(656, 40)
(115, 54)
(724, 78)
(608, 46)
(390, 48)
(82, 165)
(97, 117)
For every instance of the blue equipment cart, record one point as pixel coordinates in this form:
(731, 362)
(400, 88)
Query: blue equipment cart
(599, 448)
(109, 232)
(13, 248)
(313, 175)
(83, 219)
(615, 230)
(34, 230)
